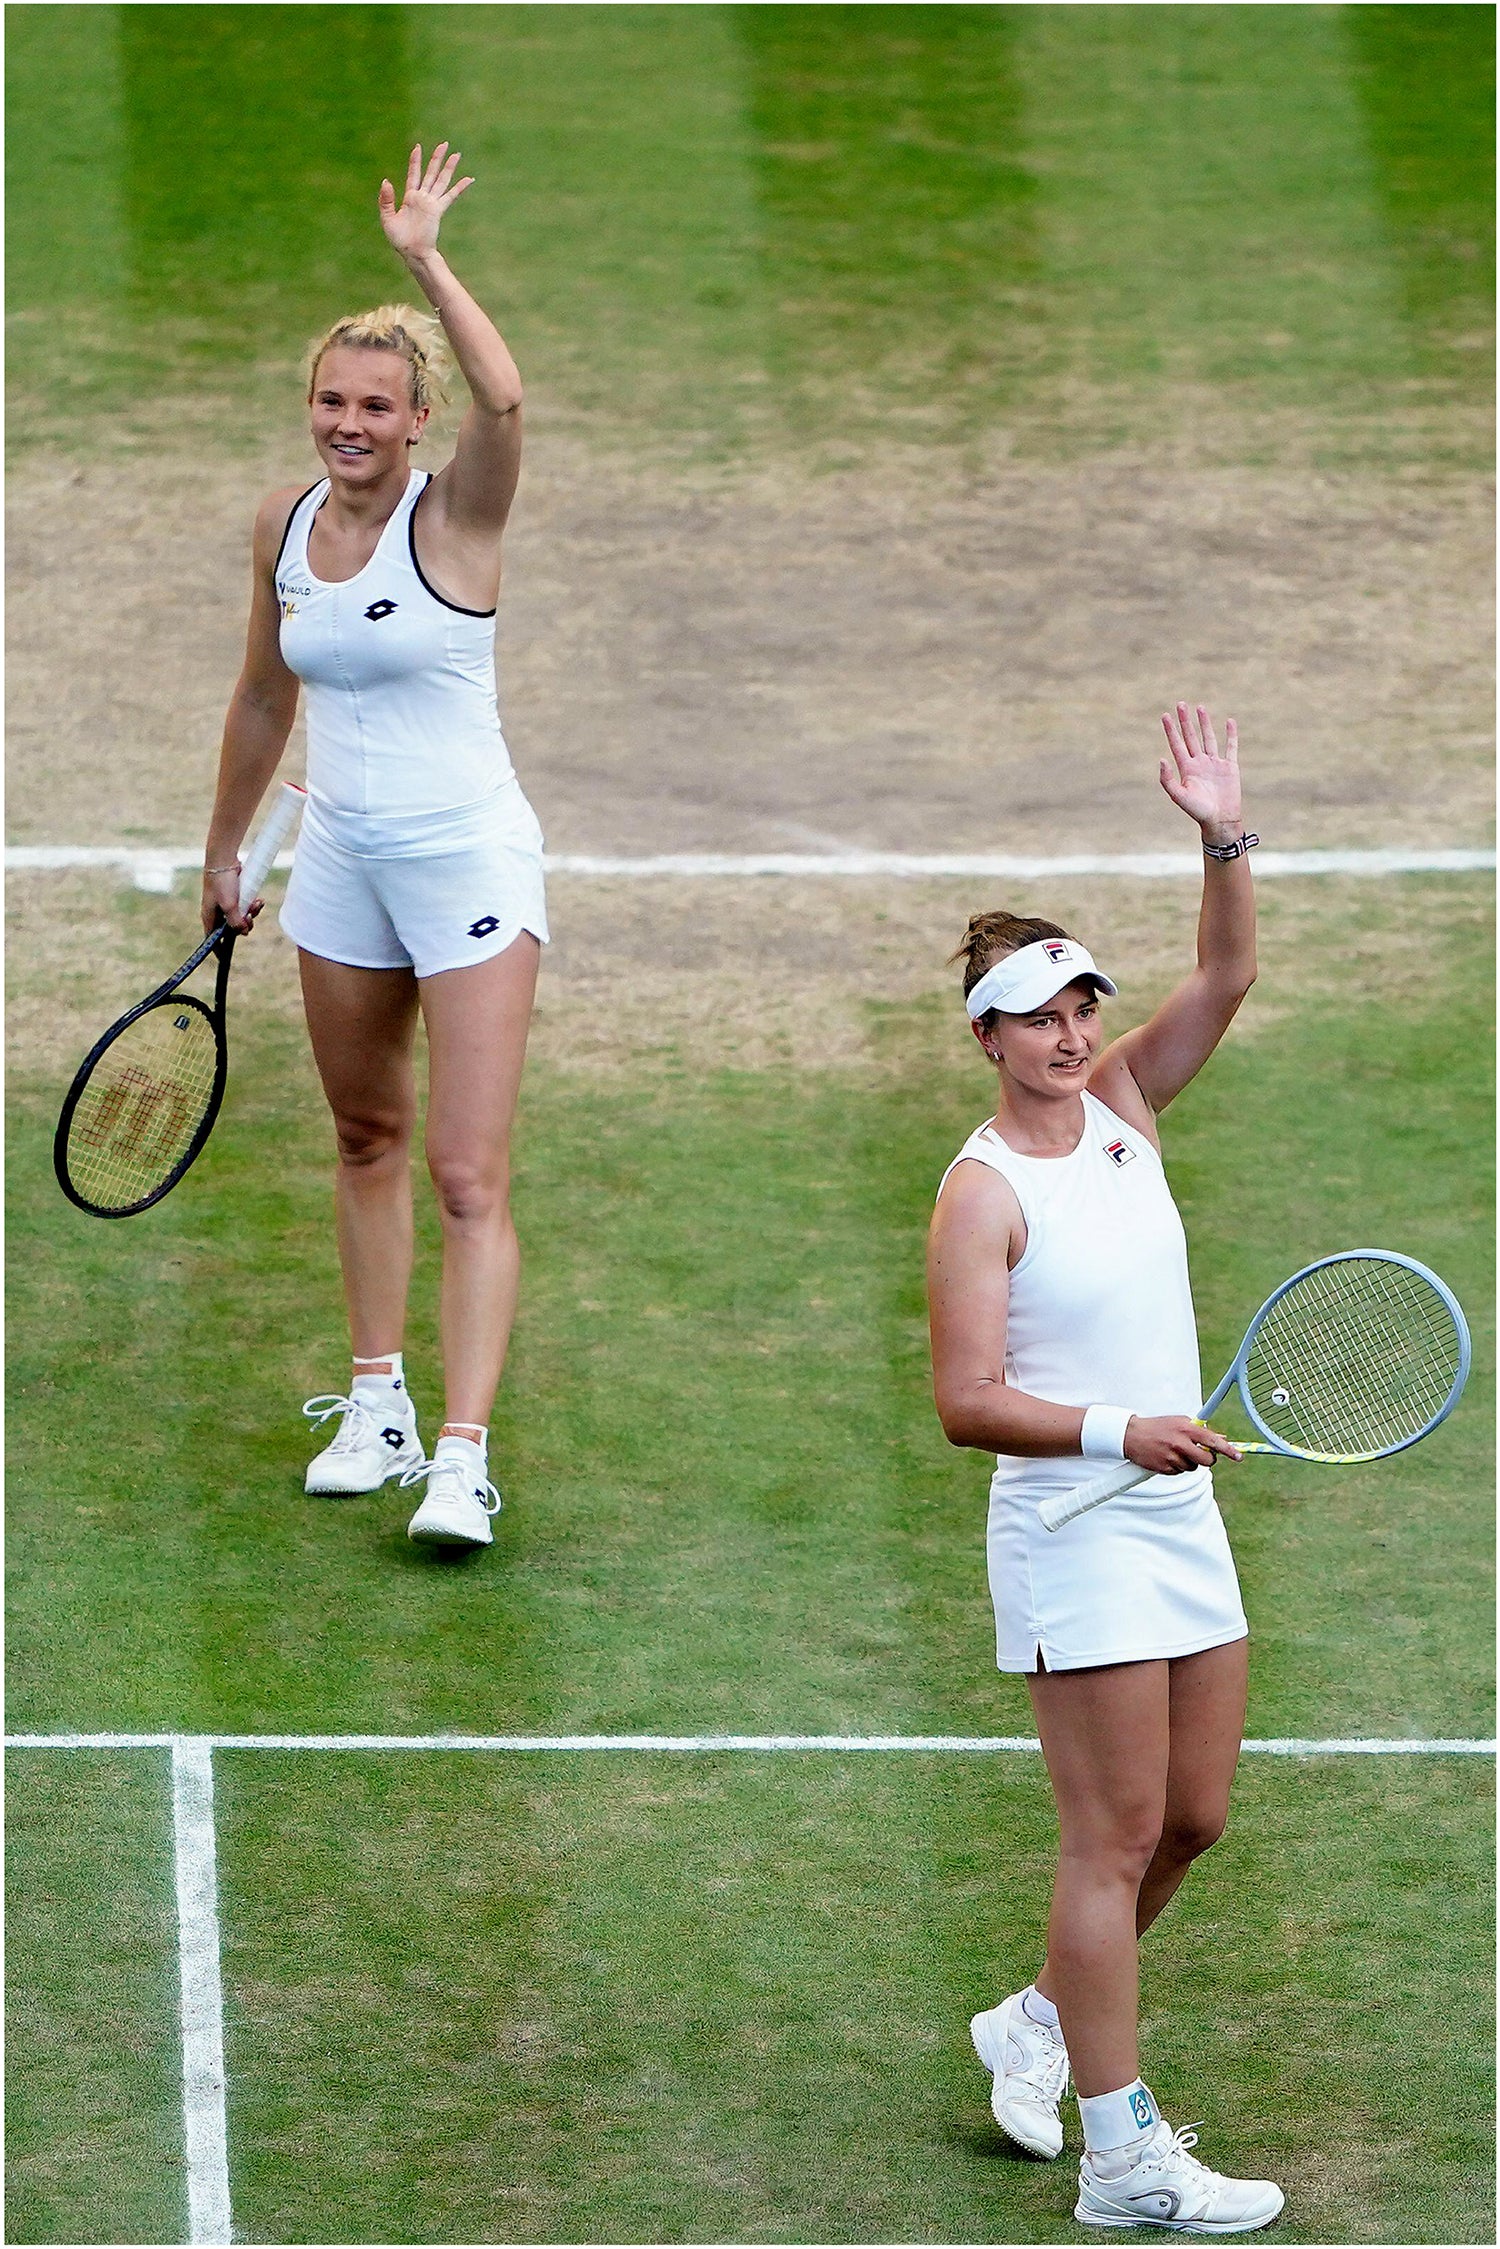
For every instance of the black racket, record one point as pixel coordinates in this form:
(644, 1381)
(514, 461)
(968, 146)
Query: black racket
(146, 1095)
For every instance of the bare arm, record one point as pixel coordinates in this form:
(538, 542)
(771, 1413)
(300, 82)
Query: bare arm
(977, 1231)
(472, 495)
(1159, 1058)
(256, 725)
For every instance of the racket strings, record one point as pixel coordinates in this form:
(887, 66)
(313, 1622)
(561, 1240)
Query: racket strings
(1357, 1358)
(143, 1105)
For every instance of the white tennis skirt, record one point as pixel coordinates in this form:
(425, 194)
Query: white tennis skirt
(439, 892)
(1144, 1576)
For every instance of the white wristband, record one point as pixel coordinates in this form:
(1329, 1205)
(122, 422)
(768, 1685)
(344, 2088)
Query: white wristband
(1104, 1430)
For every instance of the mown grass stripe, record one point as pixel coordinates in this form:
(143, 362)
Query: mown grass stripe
(526, 1744)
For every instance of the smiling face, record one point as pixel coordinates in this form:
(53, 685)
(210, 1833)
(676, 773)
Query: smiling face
(1050, 1051)
(363, 419)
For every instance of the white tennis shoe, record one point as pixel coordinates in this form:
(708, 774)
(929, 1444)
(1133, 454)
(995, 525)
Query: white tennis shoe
(1167, 2186)
(374, 1443)
(1029, 2064)
(459, 1500)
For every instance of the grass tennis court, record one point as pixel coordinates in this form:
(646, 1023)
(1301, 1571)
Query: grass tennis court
(917, 396)
(576, 1998)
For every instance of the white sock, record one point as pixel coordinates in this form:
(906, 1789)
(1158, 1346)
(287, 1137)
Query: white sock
(1038, 2008)
(379, 1388)
(473, 1454)
(1116, 2125)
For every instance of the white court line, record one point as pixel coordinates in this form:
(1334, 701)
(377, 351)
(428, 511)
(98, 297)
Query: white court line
(1375, 1745)
(204, 2125)
(153, 869)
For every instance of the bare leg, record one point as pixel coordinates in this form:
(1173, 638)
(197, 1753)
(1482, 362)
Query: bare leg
(1207, 1719)
(477, 1019)
(1105, 1738)
(362, 1022)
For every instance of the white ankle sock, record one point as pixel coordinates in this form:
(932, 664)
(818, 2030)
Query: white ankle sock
(1116, 2122)
(1038, 2008)
(367, 1378)
(473, 1454)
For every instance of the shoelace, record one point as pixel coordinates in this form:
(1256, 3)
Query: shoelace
(425, 1468)
(1054, 2071)
(1048, 2068)
(1184, 2138)
(357, 1429)
(1175, 2157)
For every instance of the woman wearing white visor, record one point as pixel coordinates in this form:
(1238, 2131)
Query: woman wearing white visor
(1063, 1334)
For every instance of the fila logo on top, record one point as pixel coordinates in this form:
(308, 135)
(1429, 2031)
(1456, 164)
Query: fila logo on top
(1118, 1153)
(1056, 950)
(379, 609)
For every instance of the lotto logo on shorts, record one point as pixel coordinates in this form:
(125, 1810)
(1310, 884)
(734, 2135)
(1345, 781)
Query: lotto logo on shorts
(1118, 1153)
(484, 927)
(1055, 949)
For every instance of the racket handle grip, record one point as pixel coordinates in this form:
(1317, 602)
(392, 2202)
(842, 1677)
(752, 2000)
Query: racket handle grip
(1066, 1507)
(272, 833)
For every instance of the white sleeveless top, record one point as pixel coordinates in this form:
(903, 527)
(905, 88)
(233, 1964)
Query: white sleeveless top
(403, 726)
(1101, 1311)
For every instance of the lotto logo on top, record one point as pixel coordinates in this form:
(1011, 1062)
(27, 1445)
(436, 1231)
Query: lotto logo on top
(1055, 949)
(1118, 1153)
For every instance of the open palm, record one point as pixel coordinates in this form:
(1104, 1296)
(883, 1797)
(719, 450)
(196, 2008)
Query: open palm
(1199, 777)
(412, 229)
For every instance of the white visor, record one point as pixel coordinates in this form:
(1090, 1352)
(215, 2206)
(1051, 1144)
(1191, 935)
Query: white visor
(1037, 973)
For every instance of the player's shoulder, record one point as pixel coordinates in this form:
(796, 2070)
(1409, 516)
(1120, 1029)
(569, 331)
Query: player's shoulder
(274, 514)
(976, 1196)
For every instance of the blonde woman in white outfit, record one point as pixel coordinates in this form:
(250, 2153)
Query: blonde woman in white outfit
(418, 879)
(1063, 1332)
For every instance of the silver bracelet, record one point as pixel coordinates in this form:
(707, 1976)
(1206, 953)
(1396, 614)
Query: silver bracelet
(233, 870)
(1235, 850)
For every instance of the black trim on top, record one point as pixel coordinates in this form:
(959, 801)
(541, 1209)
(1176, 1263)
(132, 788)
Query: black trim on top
(291, 519)
(411, 540)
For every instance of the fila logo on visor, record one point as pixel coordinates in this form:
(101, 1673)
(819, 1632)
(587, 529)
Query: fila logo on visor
(379, 609)
(1056, 950)
(1118, 1153)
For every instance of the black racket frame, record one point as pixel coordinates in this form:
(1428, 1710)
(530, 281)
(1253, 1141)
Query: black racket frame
(222, 941)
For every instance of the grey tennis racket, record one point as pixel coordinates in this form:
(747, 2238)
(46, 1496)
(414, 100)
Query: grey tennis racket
(146, 1094)
(1353, 1358)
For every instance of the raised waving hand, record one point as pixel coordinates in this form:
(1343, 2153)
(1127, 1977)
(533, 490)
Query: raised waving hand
(1202, 780)
(412, 229)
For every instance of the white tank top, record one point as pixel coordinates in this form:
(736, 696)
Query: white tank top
(402, 719)
(1101, 1311)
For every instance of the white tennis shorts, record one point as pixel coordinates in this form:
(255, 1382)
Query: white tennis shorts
(1136, 1579)
(429, 896)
